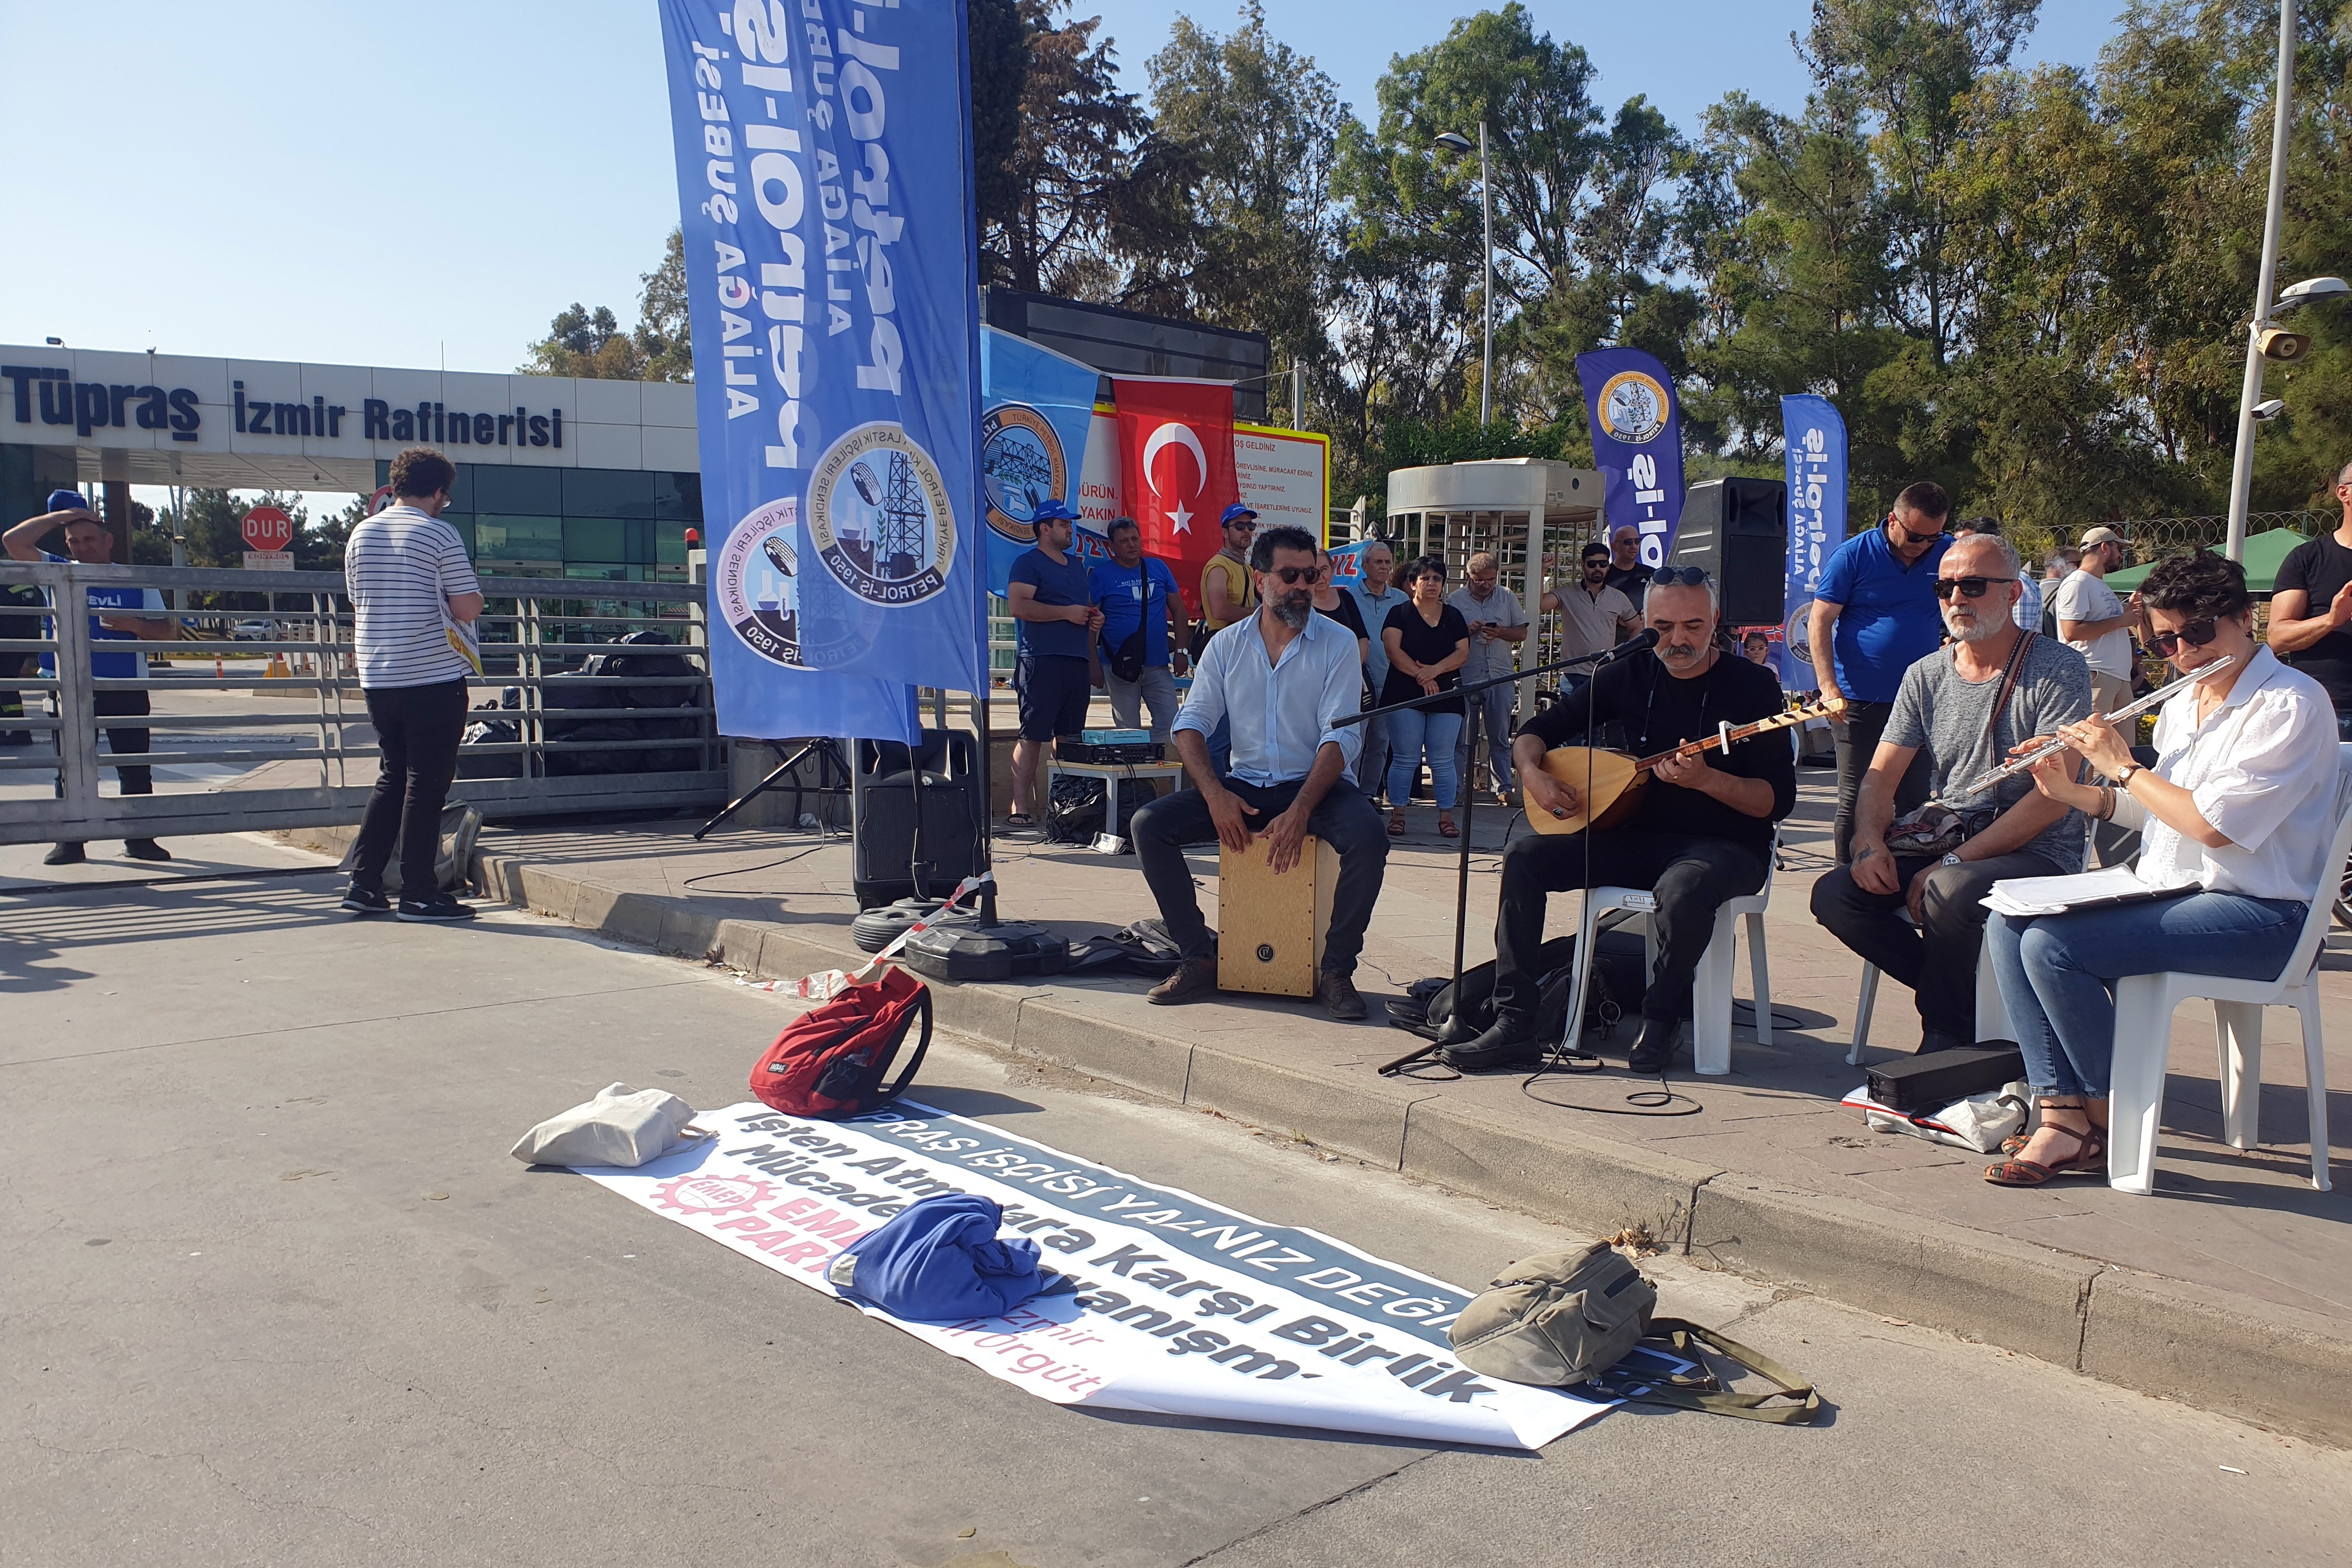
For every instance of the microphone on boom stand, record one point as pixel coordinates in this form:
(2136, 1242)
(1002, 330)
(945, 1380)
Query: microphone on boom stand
(1639, 643)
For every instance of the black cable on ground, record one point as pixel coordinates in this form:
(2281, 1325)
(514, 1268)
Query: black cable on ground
(750, 871)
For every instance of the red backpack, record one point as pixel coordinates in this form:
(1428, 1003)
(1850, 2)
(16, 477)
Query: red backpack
(831, 1060)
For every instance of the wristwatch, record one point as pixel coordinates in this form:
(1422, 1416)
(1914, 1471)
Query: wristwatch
(1952, 858)
(2123, 779)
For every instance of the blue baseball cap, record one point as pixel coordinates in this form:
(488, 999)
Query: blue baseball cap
(1234, 513)
(1053, 512)
(67, 500)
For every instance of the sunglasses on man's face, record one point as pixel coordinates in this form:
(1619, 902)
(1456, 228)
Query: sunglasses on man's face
(1915, 538)
(2196, 634)
(1292, 575)
(1970, 587)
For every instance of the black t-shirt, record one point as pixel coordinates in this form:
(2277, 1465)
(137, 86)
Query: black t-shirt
(2321, 567)
(1347, 615)
(1425, 644)
(1655, 711)
(1630, 581)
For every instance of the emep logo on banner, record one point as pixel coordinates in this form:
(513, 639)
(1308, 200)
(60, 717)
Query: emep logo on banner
(266, 528)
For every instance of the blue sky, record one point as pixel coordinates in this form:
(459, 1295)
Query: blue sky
(429, 182)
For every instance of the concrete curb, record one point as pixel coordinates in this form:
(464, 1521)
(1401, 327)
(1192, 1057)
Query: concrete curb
(2264, 1364)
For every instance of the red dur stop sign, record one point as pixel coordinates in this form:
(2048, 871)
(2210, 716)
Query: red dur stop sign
(267, 528)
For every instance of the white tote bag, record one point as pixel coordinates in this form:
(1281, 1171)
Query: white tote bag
(621, 1126)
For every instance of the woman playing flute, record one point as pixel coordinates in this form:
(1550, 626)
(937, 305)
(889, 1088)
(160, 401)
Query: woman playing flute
(2236, 818)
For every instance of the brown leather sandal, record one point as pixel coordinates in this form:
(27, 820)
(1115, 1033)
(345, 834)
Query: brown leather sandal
(2090, 1158)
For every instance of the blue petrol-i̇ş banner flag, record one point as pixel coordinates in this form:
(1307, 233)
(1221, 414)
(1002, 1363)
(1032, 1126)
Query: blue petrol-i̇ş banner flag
(1037, 410)
(1814, 436)
(825, 178)
(1637, 444)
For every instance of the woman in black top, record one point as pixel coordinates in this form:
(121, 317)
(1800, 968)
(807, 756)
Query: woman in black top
(1330, 602)
(1428, 643)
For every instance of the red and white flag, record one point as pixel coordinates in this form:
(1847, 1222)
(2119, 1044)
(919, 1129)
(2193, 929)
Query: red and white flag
(1176, 451)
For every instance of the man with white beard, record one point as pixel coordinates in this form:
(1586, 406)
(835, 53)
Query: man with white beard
(1966, 706)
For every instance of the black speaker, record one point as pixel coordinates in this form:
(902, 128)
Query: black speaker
(882, 795)
(1739, 531)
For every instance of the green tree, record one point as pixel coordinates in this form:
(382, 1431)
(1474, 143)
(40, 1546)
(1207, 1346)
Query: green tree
(585, 343)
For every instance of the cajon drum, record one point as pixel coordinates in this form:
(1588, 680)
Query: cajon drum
(1270, 929)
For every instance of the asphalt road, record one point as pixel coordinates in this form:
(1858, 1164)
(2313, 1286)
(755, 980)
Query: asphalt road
(275, 1293)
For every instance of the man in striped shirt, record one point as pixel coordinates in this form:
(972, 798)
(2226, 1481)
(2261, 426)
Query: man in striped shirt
(413, 599)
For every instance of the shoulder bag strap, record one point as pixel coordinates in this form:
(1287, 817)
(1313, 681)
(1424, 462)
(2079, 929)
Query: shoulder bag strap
(1704, 1392)
(906, 1078)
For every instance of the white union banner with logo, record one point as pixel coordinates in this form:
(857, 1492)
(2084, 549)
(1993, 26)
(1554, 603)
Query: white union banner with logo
(1156, 1300)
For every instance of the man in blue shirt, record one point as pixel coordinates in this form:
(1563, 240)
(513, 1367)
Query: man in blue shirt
(1054, 603)
(1874, 616)
(90, 542)
(1143, 628)
(1282, 679)
(1375, 594)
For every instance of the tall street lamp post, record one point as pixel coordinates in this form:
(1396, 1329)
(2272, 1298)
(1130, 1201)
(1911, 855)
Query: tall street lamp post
(2259, 337)
(1456, 141)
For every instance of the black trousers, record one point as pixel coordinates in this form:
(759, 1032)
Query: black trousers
(1343, 818)
(1937, 959)
(1691, 876)
(418, 726)
(123, 741)
(1857, 732)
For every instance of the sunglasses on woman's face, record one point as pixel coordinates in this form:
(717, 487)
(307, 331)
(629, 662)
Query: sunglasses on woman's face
(2196, 634)
(1970, 587)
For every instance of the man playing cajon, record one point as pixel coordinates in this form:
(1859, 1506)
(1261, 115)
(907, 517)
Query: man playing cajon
(1284, 677)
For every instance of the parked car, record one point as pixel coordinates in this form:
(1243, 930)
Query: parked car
(253, 631)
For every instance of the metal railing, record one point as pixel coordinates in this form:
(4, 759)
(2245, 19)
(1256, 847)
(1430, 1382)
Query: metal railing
(221, 756)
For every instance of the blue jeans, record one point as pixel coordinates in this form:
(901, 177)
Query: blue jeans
(2057, 971)
(1413, 730)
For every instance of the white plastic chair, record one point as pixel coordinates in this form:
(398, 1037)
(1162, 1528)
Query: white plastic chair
(2144, 1005)
(1991, 1011)
(1710, 986)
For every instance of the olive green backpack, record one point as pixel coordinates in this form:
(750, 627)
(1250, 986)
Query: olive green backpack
(1559, 1318)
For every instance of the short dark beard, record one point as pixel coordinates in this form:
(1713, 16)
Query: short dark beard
(1292, 609)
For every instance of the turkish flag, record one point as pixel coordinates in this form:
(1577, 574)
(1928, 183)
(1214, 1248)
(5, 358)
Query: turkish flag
(1176, 457)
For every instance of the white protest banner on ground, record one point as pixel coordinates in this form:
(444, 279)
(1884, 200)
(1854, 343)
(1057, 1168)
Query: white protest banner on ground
(1160, 1301)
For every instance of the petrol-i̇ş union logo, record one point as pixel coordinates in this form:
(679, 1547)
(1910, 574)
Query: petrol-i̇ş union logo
(758, 582)
(880, 516)
(1633, 407)
(1023, 467)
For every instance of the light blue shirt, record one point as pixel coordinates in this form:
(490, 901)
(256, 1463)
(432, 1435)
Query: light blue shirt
(1375, 611)
(1282, 712)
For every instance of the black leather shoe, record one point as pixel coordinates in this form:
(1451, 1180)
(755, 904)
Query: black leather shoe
(1653, 1048)
(1340, 996)
(64, 855)
(1511, 1042)
(145, 849)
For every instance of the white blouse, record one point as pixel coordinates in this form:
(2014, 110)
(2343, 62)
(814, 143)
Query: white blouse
(2263, 770)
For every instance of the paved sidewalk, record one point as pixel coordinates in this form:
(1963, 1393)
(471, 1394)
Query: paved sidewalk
(1765, 1172)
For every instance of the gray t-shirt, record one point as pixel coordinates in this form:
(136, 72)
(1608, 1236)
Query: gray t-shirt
(1945, 715)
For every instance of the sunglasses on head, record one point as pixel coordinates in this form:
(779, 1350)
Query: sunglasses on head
(1670, 576)
(2196, 634)
(1293, 575)
(1970, 587)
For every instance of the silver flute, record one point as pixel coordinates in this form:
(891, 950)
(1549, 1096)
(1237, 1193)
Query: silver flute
(2129, 710)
